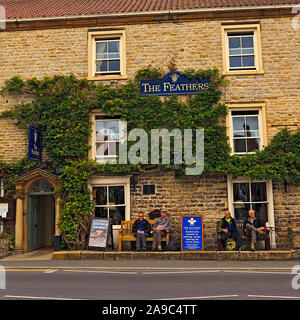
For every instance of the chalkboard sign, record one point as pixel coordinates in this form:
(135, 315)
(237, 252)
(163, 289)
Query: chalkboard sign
(98, 233)
(192, 232)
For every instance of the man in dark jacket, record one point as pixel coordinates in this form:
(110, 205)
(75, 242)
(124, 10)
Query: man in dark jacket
(227, 227)
(141, 229)
(252, 226)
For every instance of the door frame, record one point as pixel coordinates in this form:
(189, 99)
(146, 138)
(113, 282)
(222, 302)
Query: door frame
(21, 195)
(30, 221)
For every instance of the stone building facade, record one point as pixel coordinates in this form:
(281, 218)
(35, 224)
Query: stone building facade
(193, 38)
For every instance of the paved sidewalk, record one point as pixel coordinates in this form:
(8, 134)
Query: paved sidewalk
(42, 258)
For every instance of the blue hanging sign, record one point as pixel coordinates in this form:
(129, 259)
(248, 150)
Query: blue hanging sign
(173, 83)
(34, 144)
(192, 232)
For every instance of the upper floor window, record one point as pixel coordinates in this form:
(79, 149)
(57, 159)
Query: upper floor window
(246, 128)
(108, 138)
(108, 132)
(246, 133)
(106, 55)
(242, 49)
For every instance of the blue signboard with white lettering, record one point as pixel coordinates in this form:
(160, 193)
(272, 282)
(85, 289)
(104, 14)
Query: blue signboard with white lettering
(192, 232)
(173, 83)
(34, 144)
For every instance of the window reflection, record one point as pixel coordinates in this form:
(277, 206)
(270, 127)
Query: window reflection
(250, 195)
(110, 203)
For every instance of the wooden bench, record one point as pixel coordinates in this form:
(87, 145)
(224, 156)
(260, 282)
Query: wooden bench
(239, 223)
(126, 234)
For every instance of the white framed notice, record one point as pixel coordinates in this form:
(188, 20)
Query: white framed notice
(3, 210)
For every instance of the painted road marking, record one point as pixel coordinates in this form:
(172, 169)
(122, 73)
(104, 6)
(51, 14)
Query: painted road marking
(180, 272)
(98, 271)
(51, 271)
(276, 297)
(44, 298)
(32, 270)
(203, 297)
(256, 272)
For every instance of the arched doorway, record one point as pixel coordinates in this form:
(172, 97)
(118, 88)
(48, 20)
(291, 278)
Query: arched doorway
(41, 214)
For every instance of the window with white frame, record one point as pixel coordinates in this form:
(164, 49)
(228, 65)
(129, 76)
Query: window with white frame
(246, 127)
(108, 136)
(108, 58)
(106, 55)
(250, 195)
(242, 49)
(110, 202)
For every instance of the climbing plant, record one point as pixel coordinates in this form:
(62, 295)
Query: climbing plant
(61, 107)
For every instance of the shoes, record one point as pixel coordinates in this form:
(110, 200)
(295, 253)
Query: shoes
(252, 247)
(153, 249)
(159, 247)
(144, 249)
(138, 249)
(242, 248)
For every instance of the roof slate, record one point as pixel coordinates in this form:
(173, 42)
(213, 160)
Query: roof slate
(18, 9)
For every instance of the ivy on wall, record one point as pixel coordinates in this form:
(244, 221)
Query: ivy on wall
(61, 109)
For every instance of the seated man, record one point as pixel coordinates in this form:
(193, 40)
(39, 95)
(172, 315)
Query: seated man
(160, 226)
(141, 229)
(252, 226)
(227, 227)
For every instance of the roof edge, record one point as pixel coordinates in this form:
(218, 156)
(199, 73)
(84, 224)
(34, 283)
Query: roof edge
(146, 13)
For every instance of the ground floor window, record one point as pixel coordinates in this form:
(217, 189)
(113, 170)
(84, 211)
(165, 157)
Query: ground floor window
(244, 194)
(250, 195)
(110, 203)
(111, 195)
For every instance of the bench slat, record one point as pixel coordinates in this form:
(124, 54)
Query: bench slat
(125, 233)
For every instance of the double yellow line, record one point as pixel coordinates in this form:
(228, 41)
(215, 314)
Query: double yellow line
(29, 269)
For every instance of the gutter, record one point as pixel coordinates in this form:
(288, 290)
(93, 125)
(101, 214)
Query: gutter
(146, 13)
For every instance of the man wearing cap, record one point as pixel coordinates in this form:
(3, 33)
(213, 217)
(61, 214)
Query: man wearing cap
(160, 226)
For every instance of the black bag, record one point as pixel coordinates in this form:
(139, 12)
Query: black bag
(172, 246)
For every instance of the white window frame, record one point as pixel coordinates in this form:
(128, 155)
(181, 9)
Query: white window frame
(109, 205)
(102, 181)
(93, 140)
(240, 29)
(104, 73)
(269, 188)
(261, 123)
(242, 35)
(93, 36)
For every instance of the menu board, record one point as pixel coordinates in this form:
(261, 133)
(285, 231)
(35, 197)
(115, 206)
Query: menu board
(98, 233)
(192, 232)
